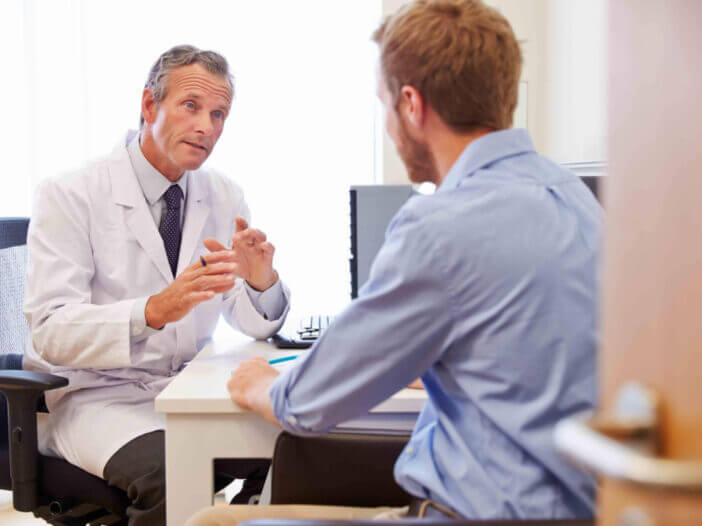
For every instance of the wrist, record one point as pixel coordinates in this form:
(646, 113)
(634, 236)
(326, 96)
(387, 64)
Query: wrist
(264, 284)
(152, 314)
(261, 399)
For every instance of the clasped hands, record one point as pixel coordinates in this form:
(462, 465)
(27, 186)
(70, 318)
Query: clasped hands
(250, 258)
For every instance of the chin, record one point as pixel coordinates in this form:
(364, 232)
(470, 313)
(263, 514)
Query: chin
(192, 164)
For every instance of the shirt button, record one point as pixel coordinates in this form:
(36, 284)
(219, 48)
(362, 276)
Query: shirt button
(409, 450)
(292, 420)
(136, 330)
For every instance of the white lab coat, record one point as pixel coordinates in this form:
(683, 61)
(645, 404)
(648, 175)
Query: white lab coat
(93, 250)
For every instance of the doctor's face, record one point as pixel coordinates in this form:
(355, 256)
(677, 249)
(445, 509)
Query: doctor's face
(187, 123)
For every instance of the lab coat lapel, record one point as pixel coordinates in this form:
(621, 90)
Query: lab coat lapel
(196, 212)
(127, 192)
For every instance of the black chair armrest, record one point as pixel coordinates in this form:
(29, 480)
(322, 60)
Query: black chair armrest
(29, 380)
(337, 470)
(418, 522)
(22, 389)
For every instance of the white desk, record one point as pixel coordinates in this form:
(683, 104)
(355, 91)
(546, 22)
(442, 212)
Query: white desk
(202, 423)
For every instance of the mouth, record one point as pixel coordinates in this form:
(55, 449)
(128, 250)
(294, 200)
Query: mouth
(196, 146)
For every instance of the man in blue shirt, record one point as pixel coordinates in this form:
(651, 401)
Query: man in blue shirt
(486, 289)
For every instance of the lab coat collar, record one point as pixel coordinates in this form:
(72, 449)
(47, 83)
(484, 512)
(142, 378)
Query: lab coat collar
(127, 192)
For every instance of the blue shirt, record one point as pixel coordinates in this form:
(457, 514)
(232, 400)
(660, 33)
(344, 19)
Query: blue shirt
(487, 289)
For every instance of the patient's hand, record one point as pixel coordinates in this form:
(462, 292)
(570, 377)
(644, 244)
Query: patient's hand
(250, 385)
(417, 384)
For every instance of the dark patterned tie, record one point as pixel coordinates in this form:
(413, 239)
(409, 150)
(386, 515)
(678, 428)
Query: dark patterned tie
(170, 225)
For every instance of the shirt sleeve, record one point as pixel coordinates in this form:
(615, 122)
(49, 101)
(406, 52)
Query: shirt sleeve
(269, 303)
(398, 327)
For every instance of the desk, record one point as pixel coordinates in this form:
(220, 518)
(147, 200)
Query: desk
(202, 423)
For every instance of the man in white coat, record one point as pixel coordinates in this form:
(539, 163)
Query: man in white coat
(128, 274)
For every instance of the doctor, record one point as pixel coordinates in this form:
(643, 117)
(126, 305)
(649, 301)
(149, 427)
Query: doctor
(128, 274)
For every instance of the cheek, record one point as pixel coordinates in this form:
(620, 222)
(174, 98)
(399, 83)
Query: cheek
(392, 127)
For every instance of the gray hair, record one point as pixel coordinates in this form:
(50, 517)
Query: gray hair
(180, 56)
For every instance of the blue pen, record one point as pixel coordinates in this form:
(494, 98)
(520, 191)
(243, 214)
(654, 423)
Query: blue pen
(280, 360)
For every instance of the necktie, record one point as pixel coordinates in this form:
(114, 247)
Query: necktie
(170, 225)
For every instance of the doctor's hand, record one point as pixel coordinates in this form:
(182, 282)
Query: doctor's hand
(197, 283)
(250, 253)
(250, 387)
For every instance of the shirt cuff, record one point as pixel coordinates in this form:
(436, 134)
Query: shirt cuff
(138, 329)
(288, 421)
(269, 303)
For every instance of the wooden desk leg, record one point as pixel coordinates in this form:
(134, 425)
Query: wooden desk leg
(189, 469)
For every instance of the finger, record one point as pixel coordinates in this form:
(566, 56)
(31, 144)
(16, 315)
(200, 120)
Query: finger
(219, 257)
(196, 269)
(225, 267)
(259, 359)
(213, 282)
(199, 296)
(223, 288)
(213, 246)
(253, 236)
(241, 224)
(267, 248)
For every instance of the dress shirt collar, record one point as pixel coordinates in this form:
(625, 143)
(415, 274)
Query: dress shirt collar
(486, 150)
(153, 183)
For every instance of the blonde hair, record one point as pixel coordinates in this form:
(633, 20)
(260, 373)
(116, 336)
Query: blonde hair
(461, 55)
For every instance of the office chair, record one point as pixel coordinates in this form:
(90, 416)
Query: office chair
(593, 182)
(415, 522)
(351, 470)
(51, 488)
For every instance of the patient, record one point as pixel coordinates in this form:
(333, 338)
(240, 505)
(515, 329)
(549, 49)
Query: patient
(486, 290)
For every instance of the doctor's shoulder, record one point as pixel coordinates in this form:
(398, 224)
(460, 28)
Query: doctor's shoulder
(75, 184)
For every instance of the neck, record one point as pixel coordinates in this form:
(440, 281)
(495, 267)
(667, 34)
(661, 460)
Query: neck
(448, 145)
(156, 157)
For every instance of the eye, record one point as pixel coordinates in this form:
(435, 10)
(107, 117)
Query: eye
(218, 114)
(189, 104)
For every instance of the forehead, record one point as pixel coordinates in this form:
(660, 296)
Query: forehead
(194, 78)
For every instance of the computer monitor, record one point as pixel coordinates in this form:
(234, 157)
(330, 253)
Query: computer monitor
(372, 208)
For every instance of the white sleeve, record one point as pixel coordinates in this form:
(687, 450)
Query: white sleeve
(66, 329)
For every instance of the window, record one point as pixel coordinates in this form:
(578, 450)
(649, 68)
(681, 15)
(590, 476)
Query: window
(301, 131)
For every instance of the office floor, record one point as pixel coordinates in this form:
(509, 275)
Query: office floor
(10, 517)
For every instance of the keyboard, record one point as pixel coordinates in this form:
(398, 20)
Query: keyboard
(309, 330)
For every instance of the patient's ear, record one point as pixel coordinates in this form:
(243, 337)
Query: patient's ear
(413, 106)
(149, 106)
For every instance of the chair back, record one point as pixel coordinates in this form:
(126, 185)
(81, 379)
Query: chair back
(593, 183)
(13, 267)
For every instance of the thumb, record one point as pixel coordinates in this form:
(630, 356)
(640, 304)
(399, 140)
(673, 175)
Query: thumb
(241, 224)
(213, 245)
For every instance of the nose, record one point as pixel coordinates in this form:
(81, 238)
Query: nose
(203, 125)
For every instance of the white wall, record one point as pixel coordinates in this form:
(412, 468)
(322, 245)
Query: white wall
(564, 47)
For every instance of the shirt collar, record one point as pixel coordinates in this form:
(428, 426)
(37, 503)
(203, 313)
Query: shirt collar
(486, 150)
(153, 183)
